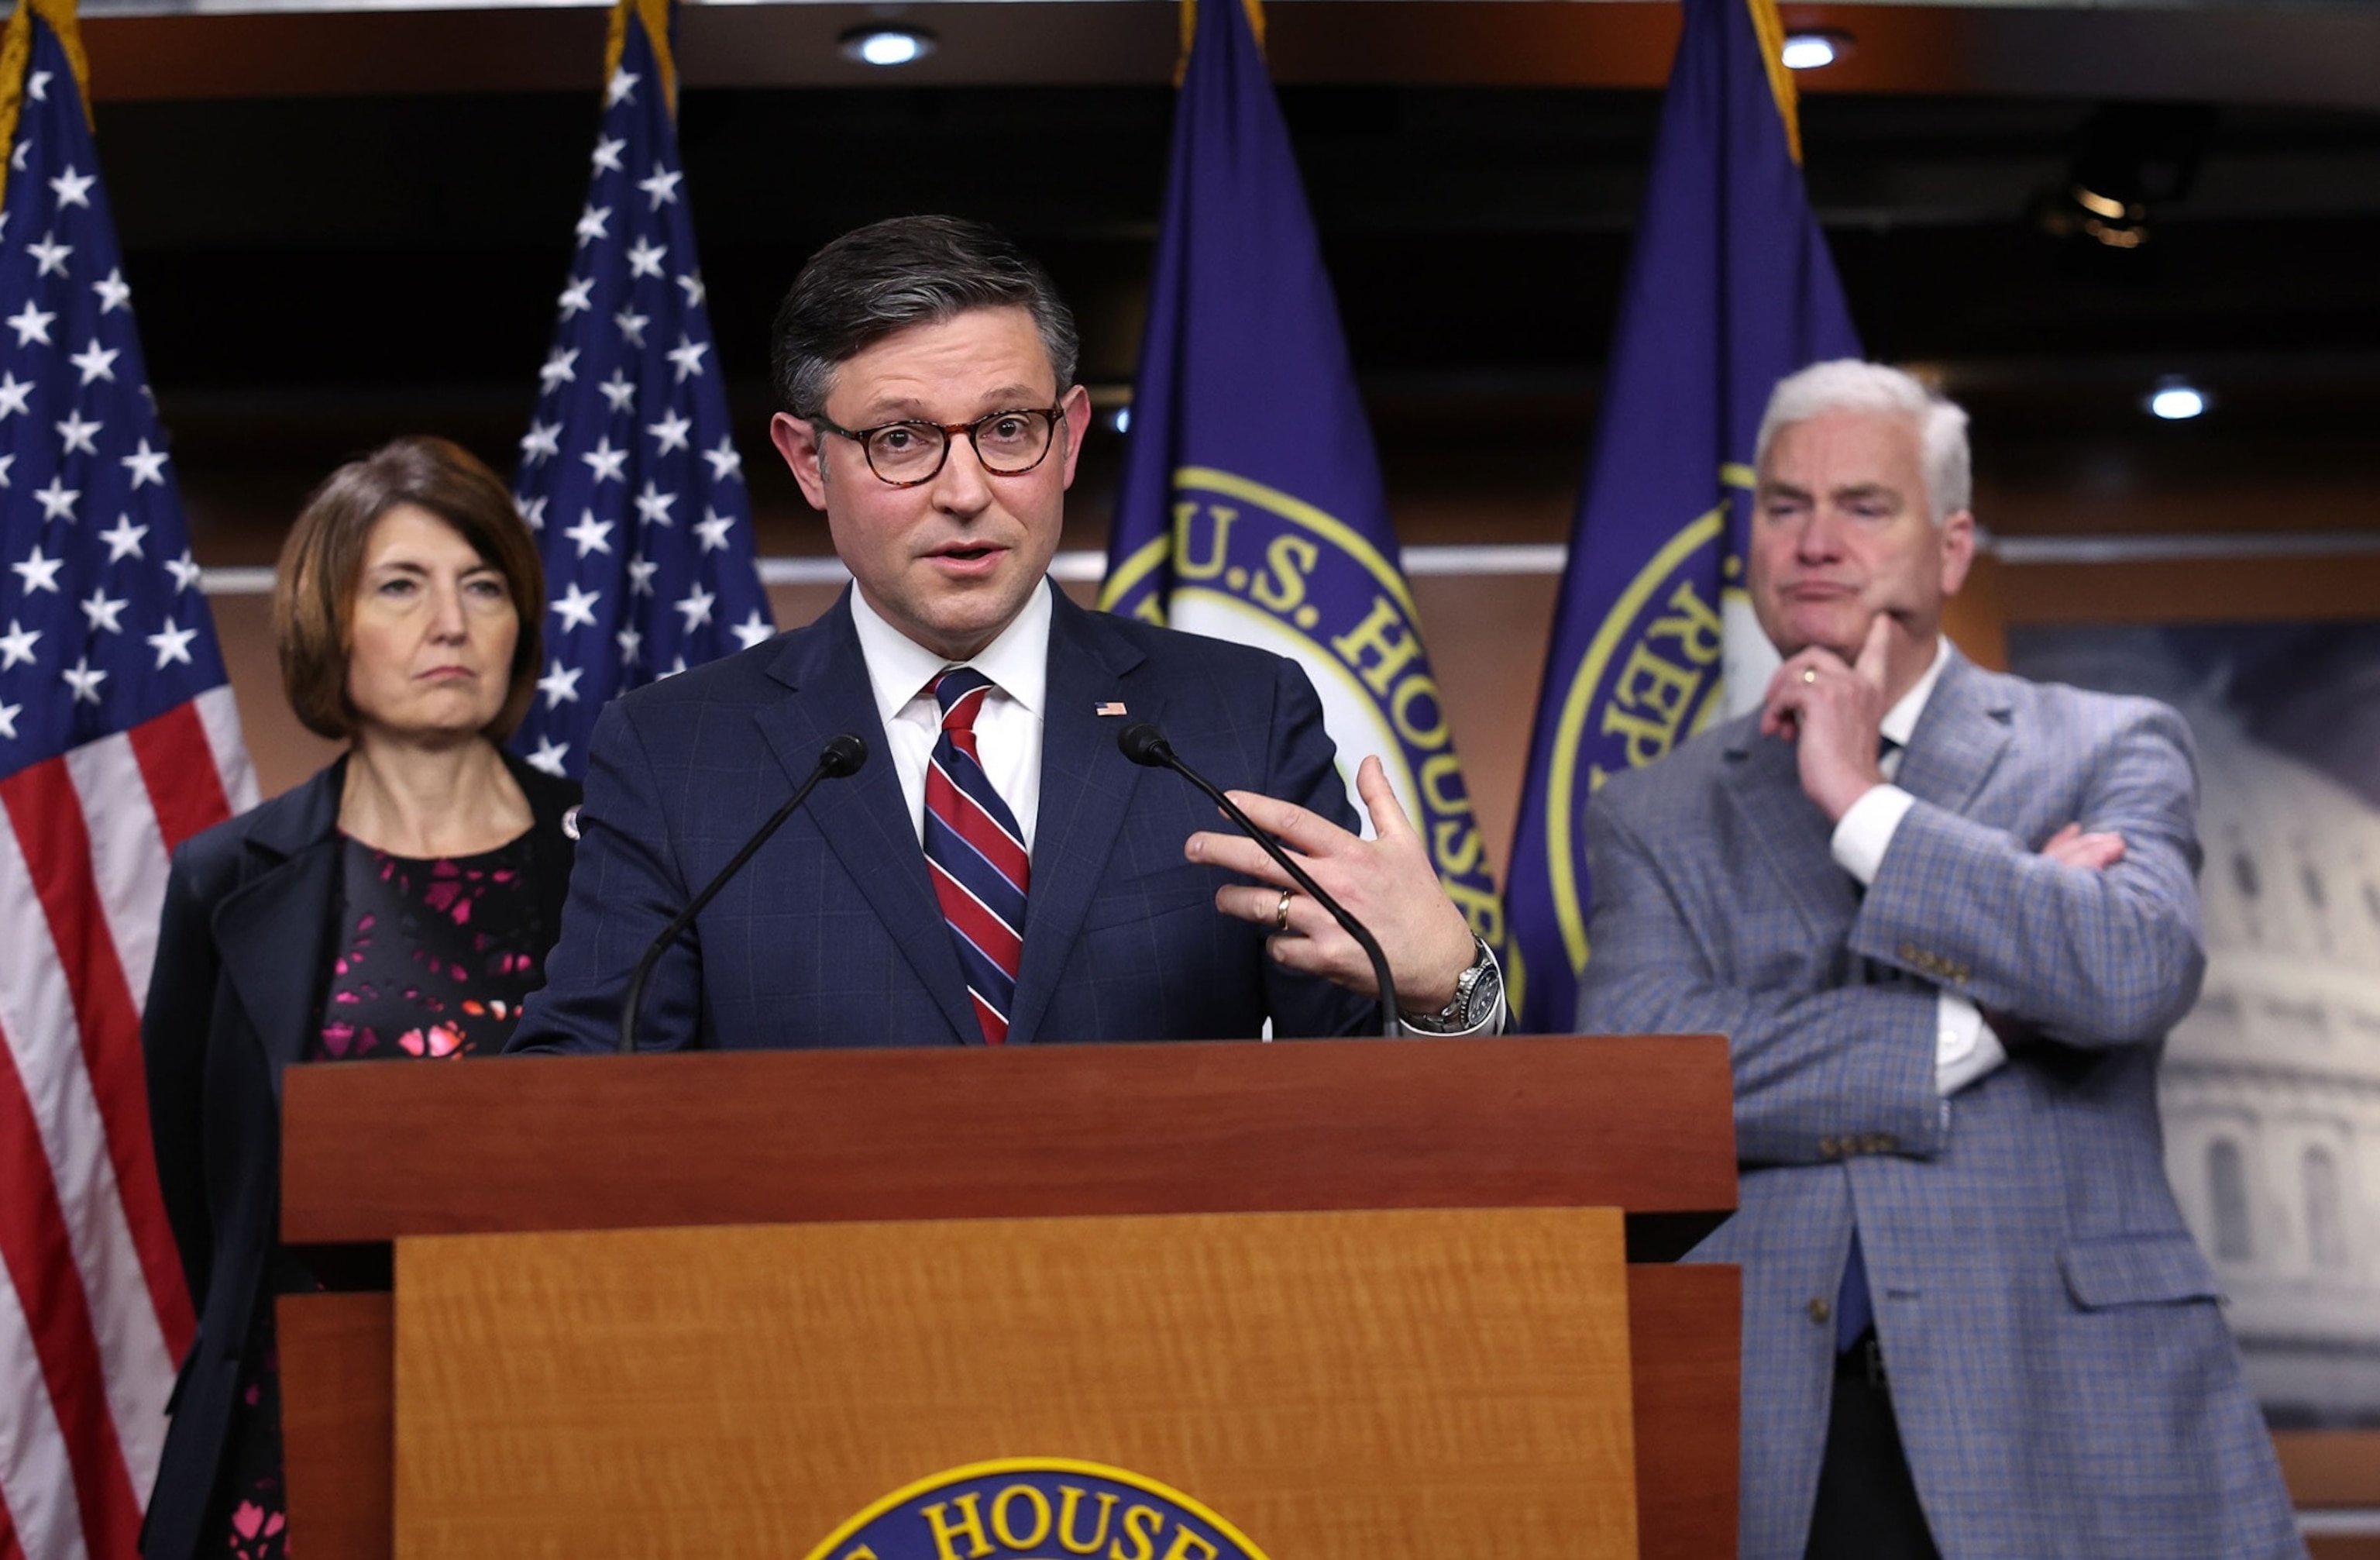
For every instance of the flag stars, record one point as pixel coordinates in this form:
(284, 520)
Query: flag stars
(37, 86)
(73, 188)
(57, 500)
(592, 534)
(607, 154)
(103, 612)
(32, 325)
(172, 645)
(77, 434)
(532, 510)
(670, 432)
(123, 539)
(542, 442)
(632, 326)
(185, 570)
(5, 461)
(606, 462)
(547, 756)
(96, 362)
(560, 685)
(113, 290)
(619, 391)
(51, 254)
(713, 529)
(38, 572)
(695, 291)
(663, 186)
(577, 298)
(641, 570)
(653, 505)
(84, 679)
(560, 369)
(577, 606)
(15, 394)
(725, 461)
(147, 465)
(645, 258)
(17, 644)
(753, 630)
(697, 607)
(687, 356)
(631, 646)
(17, 157)
(594, 223)
(622, 87)
(8, 714)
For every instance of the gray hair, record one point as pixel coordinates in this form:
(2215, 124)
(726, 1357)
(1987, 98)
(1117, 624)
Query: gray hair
(892, 275)
(1849, 384)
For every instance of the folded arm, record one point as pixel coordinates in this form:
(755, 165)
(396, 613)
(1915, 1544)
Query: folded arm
(1812, 1068)
(2089, 957)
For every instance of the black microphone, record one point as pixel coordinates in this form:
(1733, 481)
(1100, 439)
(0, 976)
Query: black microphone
(1145, 745)
(842, 755)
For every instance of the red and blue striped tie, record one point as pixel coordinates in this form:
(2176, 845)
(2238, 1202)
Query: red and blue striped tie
(976, 855)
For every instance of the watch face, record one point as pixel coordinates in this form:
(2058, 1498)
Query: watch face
(1484, 993)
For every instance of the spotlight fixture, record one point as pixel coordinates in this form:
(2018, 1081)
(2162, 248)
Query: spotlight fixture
(2128, 159)
(887, 46)
(1814, 49)
(2177, 401)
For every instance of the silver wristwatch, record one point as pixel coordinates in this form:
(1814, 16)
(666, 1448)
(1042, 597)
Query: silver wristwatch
(1475, 991)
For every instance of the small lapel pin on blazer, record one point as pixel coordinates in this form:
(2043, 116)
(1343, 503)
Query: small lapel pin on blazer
(1112, 707)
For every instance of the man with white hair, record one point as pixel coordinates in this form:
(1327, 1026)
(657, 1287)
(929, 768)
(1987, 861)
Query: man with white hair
(1945, 917)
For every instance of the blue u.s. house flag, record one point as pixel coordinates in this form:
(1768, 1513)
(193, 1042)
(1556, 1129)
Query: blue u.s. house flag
(1251, 505)
(628, 471)
(1730, 290)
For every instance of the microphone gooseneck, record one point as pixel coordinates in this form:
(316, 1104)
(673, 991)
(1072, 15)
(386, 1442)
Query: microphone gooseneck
(842, 755)
(1145, 744)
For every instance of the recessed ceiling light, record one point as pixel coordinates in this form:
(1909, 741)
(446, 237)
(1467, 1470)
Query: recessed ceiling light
(2177, 401)
(887, 45)
(1813, 51)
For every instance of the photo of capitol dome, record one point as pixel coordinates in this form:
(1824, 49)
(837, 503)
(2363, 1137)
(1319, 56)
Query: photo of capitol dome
(2271, 1086)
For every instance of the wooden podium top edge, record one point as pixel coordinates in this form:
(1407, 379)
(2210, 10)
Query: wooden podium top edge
(1642, 1123)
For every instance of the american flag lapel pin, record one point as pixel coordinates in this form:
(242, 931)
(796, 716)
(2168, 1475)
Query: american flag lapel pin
(1112, 707)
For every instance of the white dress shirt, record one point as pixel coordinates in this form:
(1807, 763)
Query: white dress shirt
(1965, 1048)
(1007, 730)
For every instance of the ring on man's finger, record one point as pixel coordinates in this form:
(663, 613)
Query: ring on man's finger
(1280, 914)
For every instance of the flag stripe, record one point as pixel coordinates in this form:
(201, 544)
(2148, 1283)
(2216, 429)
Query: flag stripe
(186, 788)
(37, 1497)
(128, 857)
(219, 714)
(35, 1246)
(37, 1018)
(48, 820)
(8, 1550)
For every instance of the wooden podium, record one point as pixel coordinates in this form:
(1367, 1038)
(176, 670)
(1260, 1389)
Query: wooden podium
(1361, 1299)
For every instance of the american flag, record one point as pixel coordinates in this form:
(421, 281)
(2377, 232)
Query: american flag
(628, 471)
(118, 740)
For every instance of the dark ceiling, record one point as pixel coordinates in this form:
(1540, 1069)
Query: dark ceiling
(310, 269)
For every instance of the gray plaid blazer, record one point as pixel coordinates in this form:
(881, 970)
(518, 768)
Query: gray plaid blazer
(2060, 1368)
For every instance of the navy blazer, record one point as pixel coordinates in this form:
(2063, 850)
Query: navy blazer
(831, 936)
(242, 950)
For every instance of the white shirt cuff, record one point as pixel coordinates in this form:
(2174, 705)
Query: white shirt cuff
(1965, 1048)
(1866, 829)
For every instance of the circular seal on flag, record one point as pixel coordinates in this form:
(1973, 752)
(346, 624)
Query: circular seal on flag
(1037, 1508)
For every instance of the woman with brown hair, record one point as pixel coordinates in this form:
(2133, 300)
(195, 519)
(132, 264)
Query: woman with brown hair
(397, 906)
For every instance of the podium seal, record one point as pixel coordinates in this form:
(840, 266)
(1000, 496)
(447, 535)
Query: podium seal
(1037, 1508)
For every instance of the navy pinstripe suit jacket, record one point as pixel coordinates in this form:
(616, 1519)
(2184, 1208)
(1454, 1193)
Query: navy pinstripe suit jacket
(831, 935)
(2063, 1378)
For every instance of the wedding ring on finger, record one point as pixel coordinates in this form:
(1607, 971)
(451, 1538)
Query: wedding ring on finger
(1280, 915)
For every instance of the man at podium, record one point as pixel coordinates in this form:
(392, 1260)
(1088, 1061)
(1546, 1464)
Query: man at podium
(997, 871)
(1945, 917)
